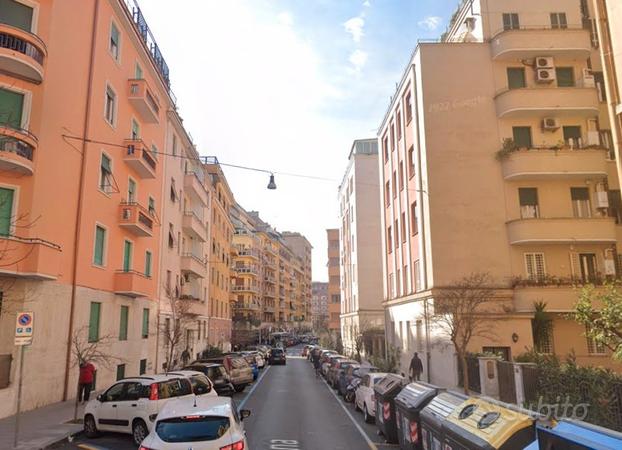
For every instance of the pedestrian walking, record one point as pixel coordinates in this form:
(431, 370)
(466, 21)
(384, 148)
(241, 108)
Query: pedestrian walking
(416, 368)
(185, 357)
(85, 381)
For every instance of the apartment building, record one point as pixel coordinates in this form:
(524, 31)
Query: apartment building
(362, 314)
(300, 283)
(334, 281)
(496, 157)
(183, 289)
(319, 305)
(219, 258)
(81, 172)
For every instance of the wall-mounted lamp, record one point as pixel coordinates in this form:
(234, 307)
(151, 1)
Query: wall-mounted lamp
(514, 338)
(272, 184)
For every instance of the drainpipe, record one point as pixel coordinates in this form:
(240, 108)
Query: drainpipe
(78, 218)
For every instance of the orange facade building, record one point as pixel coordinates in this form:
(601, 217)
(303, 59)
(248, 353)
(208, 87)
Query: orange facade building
(334, 281)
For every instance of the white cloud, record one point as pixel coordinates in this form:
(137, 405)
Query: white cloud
(430, 23)
(286, 19)
(355, 26)
(358, 58)
(367, 4)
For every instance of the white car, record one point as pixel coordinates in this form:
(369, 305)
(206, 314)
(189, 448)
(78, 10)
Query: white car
(132, 404)
(364, 399)
(201, 384)
(261, 362)
(206, 423)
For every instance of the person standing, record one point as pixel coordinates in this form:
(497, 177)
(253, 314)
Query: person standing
(416, 368)
(185, 357)
(85, 381)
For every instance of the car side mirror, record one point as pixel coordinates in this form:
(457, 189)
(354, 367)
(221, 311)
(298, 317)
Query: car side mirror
(244, 413)
(100, 398)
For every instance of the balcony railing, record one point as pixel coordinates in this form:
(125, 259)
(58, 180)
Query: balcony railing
(17, 148)
(140, 158)
(196, 185)
(194, 264)
(22, 54)
(29, 258)
(572, 42)
(194, 225)
(136, 219)
(132, 283)
(144, 100)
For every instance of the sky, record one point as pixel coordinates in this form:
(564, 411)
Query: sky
(286, 86)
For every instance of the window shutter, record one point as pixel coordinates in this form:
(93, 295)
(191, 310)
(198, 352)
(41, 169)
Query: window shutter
(98, 257)
(114, 34)
(507, 22)
(145, 331)
(575, 268)
(6, 211)
(16, 14)
(148, 264)
(554, 21)
(516, 77)
(106, 164)
(12, 107)
(123, 323)
(94, 322)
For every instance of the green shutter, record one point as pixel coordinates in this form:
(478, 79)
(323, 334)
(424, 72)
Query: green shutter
(94, 321)
(516, 77)
(145, 333)
(120, 372)
(106, 163)
(127, 256)
(138, 73)
(528, 196)
(148, 264)
(12, 107)
(522, 137)
(123, 323)
(16, 14)
(6, 211)
(565, 76)
(114, 35)
(100, 238)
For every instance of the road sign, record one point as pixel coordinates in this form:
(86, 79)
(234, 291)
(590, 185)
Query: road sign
(24, 327)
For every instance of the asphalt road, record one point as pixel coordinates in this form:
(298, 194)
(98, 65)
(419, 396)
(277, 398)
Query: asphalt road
(291, 409)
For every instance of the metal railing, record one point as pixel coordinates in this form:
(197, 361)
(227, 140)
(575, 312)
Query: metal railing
(11, 144)
(12, 42)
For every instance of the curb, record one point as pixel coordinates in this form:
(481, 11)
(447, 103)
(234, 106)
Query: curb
(54, 442)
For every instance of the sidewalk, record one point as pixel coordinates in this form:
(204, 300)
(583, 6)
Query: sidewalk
(40, 427)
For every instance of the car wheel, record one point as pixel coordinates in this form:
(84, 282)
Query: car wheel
(366, 416)
(90, 428)
(139, 431)
(239, 387)
(356, 405)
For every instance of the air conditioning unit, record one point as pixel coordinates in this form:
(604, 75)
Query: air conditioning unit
(550, 123)
(545, 62)
(545, 75)
(601, 199)
(588, 79)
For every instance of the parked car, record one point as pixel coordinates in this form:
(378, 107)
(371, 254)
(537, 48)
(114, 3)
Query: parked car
(209, 423)
(333, 370)
(239, 371)
(277, 356)
(259, 359)
(344, 376)
(326, 365)
(364, 399)
(250, 359)
(131, 405)
(217, 375)
(201, 384)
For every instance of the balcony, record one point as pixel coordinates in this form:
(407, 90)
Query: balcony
(193, 225)
(244, 288)
(537, 164)
(566, 230)
(136, 219)
(22, 54)
(547, 102)
(194, 185)
(193, 264)
(29, 258)
(140, 158)
(269, 279)
(245, 270)
(269, 294)
(143, 100)
(527, 43)
(558, 298)
(248, 253)
(17, 149)
(132, 284)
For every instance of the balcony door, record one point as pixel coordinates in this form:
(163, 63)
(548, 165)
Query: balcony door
(127, 256)
(6, 211)
(16, 14)
(12, 106)
(587, 262)
(581, 207)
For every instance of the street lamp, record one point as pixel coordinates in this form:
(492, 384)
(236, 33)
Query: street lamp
(272, 184)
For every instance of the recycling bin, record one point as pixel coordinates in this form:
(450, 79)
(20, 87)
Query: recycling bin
(485, 424)
(409, 403)
(575, 435)
(385, 392)
(433, 416)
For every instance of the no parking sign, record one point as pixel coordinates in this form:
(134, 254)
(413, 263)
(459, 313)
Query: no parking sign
(24, 326)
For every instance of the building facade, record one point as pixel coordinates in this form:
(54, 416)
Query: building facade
(503, 167)
(319, 305)
(334, 281)
(362, 314)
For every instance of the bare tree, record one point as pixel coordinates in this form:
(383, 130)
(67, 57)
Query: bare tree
(94, 351)
(361, 337)
(173, 328)
(460, 312)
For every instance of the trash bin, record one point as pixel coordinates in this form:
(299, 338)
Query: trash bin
(433, 416)
(409, 403)
(576, 435)
(485, 424)
(385, 391)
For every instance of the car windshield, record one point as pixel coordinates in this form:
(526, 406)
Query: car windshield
(174, 388)
(200, 384)
(277, 351)
(192, 428)
(216, 373)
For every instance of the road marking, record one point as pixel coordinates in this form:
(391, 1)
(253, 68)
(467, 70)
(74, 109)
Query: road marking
(371, 444)
(284, 444)
(88, 447)
(265, 371)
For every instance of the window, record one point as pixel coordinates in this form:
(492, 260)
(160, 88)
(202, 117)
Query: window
(413, 217)
(392, 134)
(411, 161)
(401, 174)
(174, 145)
(399, 125)
(580, 202)
(510, 21)
(120, 371)
(516, 77)
(135, 129)
(593, 347)
(94, 321)
(417, 276)
(145, 329)
(151, 206)
(110, 111)
(543, 343)
(173, 191)
(397, 235)
(534, 265)
(148, 264)
(587, 264)
(394, 181)
(12, 106)
(387, 193)
(100, 243)
(138, 72)
(403, 230)
(105, 174)
(131, 191)
(389, 240)
(565, 76)
(408, 108)
(528, 199)
(127, 256)
(115, 42)
(385, 149)
(408, 335)
(16, 14)
(123, 323)
(142, 367)
(522, 137)
(572, 136)
(558, 20)
(6, 211)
